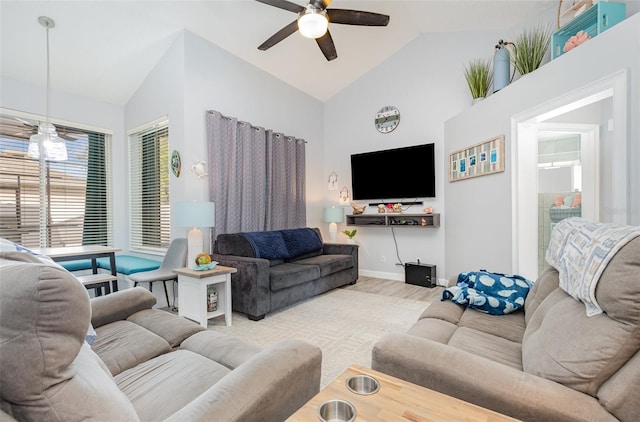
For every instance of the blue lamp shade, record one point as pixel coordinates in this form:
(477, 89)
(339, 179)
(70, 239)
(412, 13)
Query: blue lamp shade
(333, 215)
(195, 214)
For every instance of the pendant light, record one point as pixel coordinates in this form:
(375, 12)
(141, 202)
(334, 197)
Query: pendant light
(47, 141)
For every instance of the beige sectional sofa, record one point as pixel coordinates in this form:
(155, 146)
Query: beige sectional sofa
(549, 362)
(145, 364)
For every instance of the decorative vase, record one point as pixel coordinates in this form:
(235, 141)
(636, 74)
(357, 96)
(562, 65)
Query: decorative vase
(351, 241)
(476, 100)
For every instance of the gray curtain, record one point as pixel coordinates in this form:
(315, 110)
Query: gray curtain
(256, 176)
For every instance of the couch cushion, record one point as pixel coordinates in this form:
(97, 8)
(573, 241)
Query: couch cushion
(91, 394)
(601, 344)
(45, 314)
(166, 325)
(547, 282)
(288, 275)
(328, 264)
(433, 329)
(122, 345)
(494, 348)
(510, 326)
(444, 310)
(163, 385)
(227, 350)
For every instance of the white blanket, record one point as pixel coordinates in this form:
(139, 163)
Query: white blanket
(580, 250)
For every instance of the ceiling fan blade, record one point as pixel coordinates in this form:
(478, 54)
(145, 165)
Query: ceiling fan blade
(283, 4)
(357, 17)
(279, 36)
(327, 46)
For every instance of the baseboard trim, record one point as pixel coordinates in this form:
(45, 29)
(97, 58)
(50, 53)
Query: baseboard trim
(381, 274)
(395, 276)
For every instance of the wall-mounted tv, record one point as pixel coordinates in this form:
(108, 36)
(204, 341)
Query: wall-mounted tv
(400, 173)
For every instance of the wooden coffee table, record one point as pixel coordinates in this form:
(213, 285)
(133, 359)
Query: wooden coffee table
(396, 400)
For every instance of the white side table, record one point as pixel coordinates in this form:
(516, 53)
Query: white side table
(192, 293)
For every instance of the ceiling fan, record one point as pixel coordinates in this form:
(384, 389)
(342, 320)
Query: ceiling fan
(18, 128)
(313, 20)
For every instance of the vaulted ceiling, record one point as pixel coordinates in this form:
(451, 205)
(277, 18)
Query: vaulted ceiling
(104, 49)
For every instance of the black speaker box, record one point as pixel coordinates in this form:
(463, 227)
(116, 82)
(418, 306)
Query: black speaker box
(420, 274)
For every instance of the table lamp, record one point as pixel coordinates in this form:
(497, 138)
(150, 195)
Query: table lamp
(333, 215)
(195, 214)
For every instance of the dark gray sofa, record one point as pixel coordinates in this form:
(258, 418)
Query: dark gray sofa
(282, 267)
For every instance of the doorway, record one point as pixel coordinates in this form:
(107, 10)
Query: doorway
(585, 133)
(568, 182)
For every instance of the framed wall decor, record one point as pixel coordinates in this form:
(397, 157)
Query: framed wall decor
(480, 159)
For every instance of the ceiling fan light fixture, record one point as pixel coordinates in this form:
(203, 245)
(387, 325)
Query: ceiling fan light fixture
(313, 23)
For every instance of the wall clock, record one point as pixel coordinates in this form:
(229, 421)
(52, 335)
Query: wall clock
(387, 119)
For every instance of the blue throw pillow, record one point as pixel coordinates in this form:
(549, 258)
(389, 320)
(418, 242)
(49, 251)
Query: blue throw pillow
(301, 241)
(267, 245)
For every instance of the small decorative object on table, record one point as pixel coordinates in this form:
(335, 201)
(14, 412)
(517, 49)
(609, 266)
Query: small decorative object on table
(381, 209)
(210, 266)
(204, 262)
(358, 209)
(428, 210)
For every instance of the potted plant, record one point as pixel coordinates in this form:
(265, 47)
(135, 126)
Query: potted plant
(529, 49)
(350, 234)
(479, 76)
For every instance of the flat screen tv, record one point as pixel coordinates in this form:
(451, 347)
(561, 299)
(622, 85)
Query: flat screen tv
(400, 173)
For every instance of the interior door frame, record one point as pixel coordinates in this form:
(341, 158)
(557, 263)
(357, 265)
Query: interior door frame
(524, 129)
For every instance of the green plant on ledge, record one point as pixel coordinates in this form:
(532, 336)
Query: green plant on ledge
(350, 233)
(479, 76)
(530, 48)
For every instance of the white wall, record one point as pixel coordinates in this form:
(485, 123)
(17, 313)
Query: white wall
(425, 80)
(195, 76)
(479, 221)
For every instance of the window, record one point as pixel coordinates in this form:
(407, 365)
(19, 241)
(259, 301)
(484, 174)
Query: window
(54, 203)
(149, 206)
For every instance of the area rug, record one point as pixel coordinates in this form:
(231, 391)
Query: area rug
(345, 324)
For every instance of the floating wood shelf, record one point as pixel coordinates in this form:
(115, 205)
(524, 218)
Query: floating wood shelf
(395, 219)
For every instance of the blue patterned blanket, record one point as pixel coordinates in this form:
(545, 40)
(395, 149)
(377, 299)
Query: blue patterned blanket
(492, 293)
(580, 250)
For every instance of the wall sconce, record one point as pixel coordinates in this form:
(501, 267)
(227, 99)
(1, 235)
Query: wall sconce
(333, 215)
(344, 196)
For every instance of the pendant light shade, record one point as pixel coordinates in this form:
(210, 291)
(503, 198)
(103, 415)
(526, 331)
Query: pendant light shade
(46, 144)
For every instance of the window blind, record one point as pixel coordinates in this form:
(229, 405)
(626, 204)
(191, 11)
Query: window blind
(150, 218)
(62, 203)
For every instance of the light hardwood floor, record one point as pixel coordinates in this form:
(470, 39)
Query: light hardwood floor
(396, 288)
